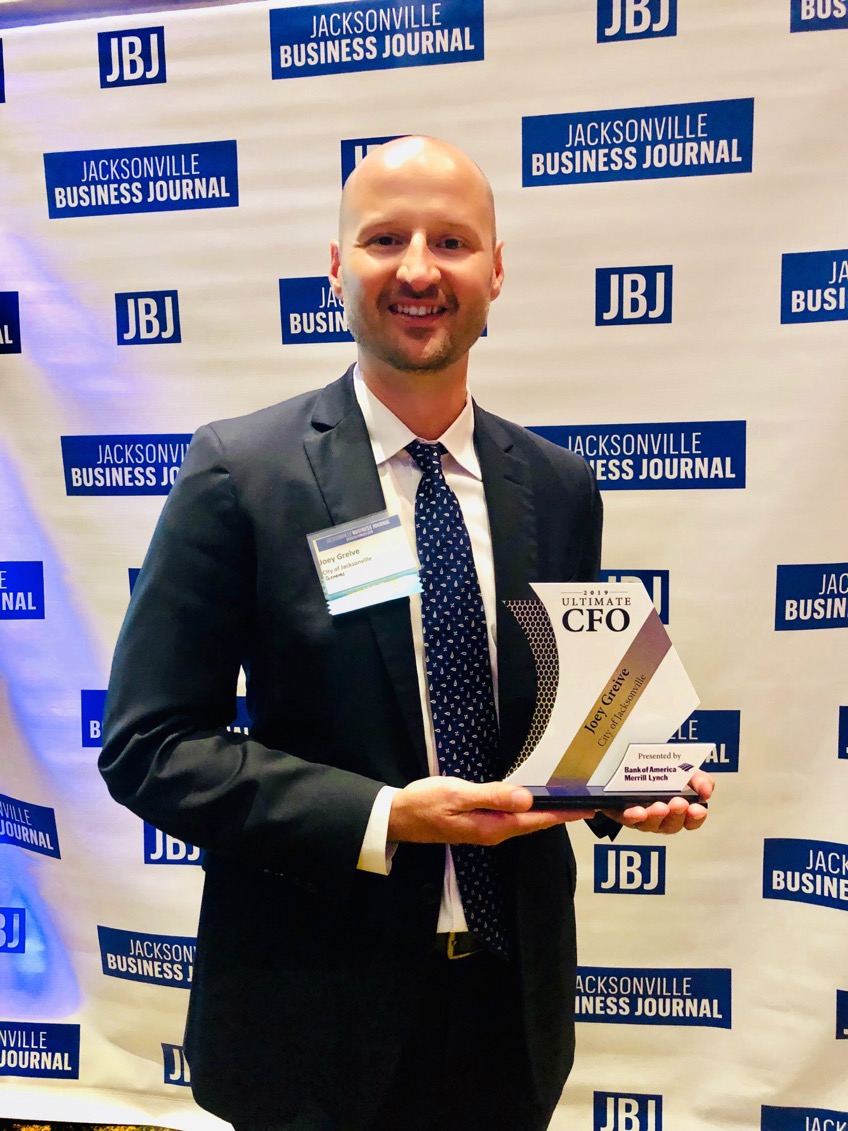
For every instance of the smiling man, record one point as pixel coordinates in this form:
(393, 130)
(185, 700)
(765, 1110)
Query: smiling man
(417, 264)
(386, 940)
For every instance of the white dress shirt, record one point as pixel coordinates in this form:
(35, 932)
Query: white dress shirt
(399, 477)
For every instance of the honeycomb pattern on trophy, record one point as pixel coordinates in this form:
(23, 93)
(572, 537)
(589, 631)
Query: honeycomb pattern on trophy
(534, 620)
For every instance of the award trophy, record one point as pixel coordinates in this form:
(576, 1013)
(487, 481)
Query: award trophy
(611, 690)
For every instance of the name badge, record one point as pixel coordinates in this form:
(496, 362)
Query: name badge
(364, 562)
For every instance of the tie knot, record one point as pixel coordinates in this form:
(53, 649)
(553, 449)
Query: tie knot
(427, 456)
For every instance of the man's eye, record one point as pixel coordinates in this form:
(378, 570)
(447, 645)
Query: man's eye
(452, 243)
(384, 241)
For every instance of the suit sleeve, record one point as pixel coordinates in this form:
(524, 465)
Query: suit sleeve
(167, 754)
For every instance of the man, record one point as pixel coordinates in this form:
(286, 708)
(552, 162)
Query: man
(325, 995)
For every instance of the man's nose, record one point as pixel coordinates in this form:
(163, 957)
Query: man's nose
(418, 267)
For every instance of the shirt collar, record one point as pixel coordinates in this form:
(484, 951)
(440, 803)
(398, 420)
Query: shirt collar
(389, 435)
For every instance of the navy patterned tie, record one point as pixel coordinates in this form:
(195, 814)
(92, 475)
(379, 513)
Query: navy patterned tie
(459, 677)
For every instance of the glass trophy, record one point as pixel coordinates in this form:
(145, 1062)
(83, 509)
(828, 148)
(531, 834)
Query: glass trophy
(611, 691)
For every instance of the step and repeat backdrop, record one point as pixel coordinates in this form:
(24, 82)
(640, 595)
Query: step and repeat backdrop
(671, 178)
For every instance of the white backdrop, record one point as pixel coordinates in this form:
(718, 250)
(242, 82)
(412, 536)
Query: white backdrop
(714, 326)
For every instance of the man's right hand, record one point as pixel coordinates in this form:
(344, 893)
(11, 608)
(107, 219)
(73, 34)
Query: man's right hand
(448, 810)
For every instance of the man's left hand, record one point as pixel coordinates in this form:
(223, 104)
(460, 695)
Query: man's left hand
(673, 816)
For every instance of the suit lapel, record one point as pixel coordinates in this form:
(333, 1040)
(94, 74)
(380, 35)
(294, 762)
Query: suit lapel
(509, 500)
(512, 521)
(340, 454)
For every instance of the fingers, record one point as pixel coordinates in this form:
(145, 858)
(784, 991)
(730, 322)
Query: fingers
(677, 815)
(449, 810)
(703, 785)
(501, 810)
(665, 819)
(499, 795)
(453, 811)
(488, 826)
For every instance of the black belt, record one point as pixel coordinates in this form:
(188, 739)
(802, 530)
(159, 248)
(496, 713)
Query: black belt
(458, 944)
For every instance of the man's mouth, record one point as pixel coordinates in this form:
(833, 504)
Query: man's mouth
(417, 310)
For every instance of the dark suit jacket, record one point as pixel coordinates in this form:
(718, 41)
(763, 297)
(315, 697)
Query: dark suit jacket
(307, 968)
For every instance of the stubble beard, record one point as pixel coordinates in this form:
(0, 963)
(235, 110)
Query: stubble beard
(434, 360)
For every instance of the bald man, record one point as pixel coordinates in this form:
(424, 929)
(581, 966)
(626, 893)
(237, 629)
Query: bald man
(386, 939)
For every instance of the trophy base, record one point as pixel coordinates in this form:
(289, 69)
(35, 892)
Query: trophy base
(579, 795)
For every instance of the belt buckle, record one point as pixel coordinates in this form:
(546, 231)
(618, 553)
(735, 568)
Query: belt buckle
(451, 946)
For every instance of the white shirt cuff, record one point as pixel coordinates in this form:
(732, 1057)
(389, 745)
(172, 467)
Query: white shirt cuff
(376, 853)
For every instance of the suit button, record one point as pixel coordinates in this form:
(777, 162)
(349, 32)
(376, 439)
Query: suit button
(430, 894)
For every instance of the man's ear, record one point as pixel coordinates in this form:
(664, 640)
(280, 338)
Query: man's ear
(335, 272)
(497, 271)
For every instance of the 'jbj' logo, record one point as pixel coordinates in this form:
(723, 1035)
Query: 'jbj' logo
(614, 1111)
(356, 149)
(655, 581)
(159, 848)
(133, 57)
(12, 930)
(636, 19)
(147, 317)
(842, 1015)
(630, 871)
(175, 1065)
(632, 296)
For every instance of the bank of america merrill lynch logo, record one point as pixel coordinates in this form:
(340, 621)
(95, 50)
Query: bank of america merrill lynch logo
(131, 58)
(633, 296)
(636, 19)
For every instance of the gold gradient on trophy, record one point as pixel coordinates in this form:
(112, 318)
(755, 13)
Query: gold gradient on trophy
(611, 709)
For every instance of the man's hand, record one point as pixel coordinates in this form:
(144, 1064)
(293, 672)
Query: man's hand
(670, 818)
(448, 810)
